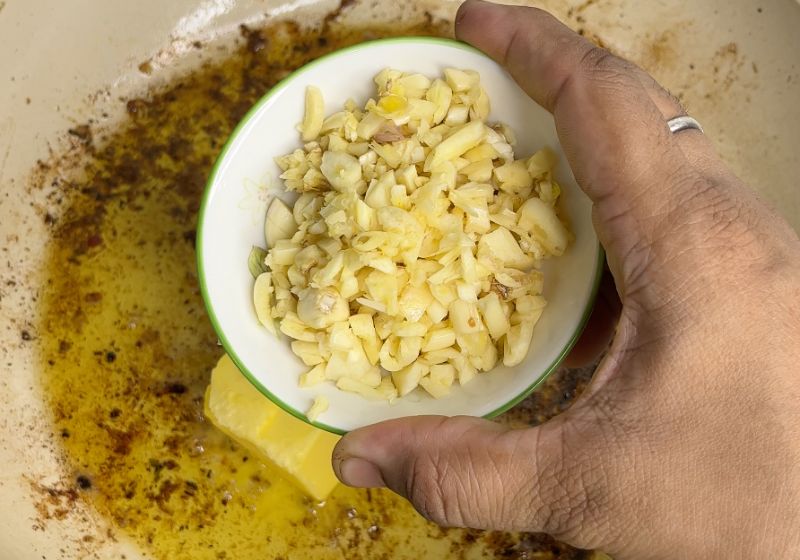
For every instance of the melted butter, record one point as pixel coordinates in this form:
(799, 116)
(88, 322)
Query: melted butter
(128, 348)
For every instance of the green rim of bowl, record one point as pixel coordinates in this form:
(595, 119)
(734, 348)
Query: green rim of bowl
(276, 89)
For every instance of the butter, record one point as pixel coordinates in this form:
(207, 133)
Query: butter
(243, 413)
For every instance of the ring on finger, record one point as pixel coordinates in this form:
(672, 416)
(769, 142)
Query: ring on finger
(684, 122)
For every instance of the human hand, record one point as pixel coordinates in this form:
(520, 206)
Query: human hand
(687, 442)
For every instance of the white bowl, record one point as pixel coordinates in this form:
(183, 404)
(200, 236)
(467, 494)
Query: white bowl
(245, 177)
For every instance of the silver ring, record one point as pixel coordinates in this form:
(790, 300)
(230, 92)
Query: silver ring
(684, 122)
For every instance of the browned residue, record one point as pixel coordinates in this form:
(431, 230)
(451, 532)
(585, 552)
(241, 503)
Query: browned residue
(53, 501)
(659, 52)
(727, 65)
(334, 15)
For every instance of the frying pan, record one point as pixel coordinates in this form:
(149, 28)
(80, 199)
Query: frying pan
(734, 63)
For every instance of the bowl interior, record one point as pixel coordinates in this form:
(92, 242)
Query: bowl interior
(246, 178)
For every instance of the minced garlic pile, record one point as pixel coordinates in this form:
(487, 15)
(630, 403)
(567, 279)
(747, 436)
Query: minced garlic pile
(410, 257)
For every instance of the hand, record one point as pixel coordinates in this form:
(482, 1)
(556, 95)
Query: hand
(687, 442)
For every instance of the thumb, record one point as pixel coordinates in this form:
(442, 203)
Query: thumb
(463, 471)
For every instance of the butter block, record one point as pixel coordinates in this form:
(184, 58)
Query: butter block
(300, 450)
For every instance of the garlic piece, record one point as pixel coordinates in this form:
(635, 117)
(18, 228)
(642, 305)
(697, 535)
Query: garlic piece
(440, 94)
(262, 300)
(407, 379)
(464, 139)
(319, 406)
(541, 163)
(461, 80)
(513, 177)
(280, 223)
(312, 377)
(493, 315)
(320, 308)
(314, 114)
(342, 170)
(516, 343)
(541, 221)
(501, 247)
(465, 317)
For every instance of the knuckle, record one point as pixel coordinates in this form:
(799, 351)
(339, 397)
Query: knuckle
(600, 68)
(618, 75)
(587, 65)
(601, 64)
(725, 229)
(596, 58)
(708, 228)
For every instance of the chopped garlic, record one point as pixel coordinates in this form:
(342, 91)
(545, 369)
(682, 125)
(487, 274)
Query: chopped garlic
(410, 258)
(319, 406)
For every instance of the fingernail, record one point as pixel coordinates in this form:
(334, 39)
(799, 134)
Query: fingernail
(360, 473)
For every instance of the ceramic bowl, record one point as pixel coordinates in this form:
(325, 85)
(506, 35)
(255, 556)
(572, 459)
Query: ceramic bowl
(245, 179)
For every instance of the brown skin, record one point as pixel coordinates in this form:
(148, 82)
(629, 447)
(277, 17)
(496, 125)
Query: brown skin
(687, 442)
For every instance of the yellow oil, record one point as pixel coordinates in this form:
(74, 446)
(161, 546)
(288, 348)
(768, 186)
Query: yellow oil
(128, 349)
